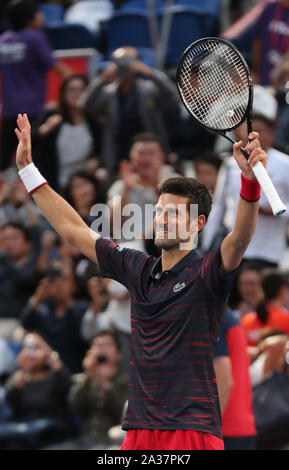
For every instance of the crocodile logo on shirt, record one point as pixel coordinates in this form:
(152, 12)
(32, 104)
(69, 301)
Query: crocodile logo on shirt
(177, 287)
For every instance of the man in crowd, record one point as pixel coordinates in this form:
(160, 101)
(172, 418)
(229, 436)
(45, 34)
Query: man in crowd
(271, 39)
(25, 58)
(126, 99)
(52, 312)
(17, 275)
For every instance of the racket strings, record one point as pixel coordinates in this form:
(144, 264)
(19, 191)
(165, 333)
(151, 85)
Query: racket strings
(214, 85)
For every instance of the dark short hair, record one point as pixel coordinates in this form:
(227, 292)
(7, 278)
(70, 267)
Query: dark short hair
(18, 226)
(20, 12)
(195, 191)
(146, 137)
(211, 158)
(110, 333)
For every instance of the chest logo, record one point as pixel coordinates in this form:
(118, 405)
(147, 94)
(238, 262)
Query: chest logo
(177, 287)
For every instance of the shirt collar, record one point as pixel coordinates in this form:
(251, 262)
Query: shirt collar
(190, 258)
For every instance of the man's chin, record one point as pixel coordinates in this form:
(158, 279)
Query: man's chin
(166, 244)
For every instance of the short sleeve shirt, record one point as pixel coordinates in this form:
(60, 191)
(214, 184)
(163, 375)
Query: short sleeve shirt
(175, 318)
(25, 57)
(272, 29)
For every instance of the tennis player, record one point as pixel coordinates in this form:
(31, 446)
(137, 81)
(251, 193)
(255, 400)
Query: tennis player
(177, 301)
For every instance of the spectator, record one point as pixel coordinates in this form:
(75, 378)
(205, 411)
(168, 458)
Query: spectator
(116, 315)
(272, 310)
(269, 250)
(248, 290)
(25, 57)
(232, 373)
(53, 248)
(140, 177)
(17, 275)
(271, 39)
(37, 395)
(16, 205)
(126, 99)
(207, 168)
(270, 355)
(101, 391)
(83, 191)
(53, 312)
(63, 136)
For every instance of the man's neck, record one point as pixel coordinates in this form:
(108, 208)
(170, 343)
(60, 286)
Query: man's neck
(171, 257)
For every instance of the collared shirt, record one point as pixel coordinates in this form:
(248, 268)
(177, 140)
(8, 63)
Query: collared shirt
(175, 319)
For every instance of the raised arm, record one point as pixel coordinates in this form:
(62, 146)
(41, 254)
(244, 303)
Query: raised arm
(66, 221)
(235, 244)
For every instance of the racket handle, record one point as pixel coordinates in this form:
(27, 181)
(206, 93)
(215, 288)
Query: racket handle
(267, 186)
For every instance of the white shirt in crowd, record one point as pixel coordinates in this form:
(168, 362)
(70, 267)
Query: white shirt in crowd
(269, 240)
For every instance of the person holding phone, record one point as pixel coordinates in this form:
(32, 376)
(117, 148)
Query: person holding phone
(101, 391)
(37, 395)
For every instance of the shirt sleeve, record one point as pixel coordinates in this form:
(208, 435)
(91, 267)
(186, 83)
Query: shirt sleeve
(217, 281)
(119, 263)
(261, 24)
(43, 52)
(222, 345)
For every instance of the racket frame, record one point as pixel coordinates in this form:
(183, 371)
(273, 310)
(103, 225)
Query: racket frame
(247, 114)
(260, 172)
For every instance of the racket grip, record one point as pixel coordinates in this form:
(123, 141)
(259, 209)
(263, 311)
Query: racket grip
(267, 186)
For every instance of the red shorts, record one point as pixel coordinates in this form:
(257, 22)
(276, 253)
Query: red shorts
(145, 439)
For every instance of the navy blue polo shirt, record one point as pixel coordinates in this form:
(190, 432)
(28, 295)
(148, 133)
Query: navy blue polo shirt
(175, 319)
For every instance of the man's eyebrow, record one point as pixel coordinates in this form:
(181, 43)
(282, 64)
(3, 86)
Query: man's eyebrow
(167, 208)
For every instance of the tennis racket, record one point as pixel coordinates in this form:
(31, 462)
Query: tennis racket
(215, 86)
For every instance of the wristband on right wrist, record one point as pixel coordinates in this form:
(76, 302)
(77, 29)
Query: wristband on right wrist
(31, 177)
(250, 189)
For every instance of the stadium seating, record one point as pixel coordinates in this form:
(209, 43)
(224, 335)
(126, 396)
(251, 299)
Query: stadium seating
(70, 36)
(53, 13)
(188, 23)
(89, 13)
(130, 27)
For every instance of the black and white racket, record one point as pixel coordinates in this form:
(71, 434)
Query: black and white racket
(215, 86)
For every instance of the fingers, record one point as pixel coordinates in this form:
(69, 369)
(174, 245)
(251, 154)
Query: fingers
(23, 122)
(256, 156)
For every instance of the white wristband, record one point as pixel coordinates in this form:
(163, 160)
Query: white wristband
(31, 177)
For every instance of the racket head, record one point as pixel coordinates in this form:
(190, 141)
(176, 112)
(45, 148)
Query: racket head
(215, 85)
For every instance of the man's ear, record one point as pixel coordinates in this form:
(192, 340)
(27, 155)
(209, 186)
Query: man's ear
(201, 222)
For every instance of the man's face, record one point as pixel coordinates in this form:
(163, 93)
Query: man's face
(249, 284)
(207, 174)
(14, 243)
(146, 158)
(61, 287)
(172, 224)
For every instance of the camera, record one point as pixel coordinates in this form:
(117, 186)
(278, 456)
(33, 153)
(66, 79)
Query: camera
(123, 64)
(101, 359)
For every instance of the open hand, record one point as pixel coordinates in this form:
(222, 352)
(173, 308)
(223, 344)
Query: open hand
(23, 153)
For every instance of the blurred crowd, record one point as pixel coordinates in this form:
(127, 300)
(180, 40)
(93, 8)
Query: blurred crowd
(111, 139)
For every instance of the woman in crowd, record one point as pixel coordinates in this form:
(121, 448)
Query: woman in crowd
(63, 137)
(272, 309)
